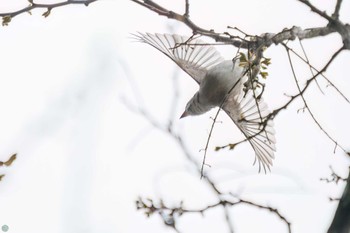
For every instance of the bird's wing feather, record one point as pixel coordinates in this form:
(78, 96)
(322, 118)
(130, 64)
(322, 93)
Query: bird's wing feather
(250, 115)
(193, 58)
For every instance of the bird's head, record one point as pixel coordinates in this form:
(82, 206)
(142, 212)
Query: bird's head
(194, 107)
(188, 109)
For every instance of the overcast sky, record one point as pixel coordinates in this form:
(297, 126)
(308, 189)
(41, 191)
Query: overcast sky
(67, 83)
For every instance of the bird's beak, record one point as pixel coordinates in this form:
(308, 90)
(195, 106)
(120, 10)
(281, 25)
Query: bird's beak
(185, 114)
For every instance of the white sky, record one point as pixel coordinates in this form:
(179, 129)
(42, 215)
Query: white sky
(84, 158)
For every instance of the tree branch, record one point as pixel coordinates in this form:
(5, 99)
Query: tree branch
(335, 14)
(308, 82)
(333, 22)
(8, 16)
(316, 10)
(334, 177)
(266, 39)
(150, 207)
(305, 103)
(306, 61)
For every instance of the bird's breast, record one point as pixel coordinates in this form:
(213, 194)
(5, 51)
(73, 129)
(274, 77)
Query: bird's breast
(219, 81)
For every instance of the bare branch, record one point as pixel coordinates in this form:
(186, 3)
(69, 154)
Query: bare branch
(150, 207)
(316, 10)
(305, 103)
(8, 16)
(228, 219)
(308, 62)
(308, 82)
(334, 177)
(214, 121)
(187, 9)
(207, 143)
(266, 39)
(322, 75)
(334, 22)
(293, 33)
(273, 210)
(335, 14)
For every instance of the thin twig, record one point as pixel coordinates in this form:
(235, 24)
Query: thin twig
(207, 143)
(228, 219)
(187, 8)
(334, 177)
(32, 5)
(316, 10)
(274, 113)
(214, 121)
(308, 62)
(305, 103)
(322, 75)
(333, 22)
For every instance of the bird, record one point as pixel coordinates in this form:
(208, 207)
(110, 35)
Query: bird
(221, 84)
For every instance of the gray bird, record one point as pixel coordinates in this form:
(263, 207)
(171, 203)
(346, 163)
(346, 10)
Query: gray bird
(221, 84)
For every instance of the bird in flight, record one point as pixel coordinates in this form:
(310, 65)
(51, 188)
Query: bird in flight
(221, 84)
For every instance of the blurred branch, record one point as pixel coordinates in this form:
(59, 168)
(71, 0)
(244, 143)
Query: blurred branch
(341, 223)
(334, 177)
(9, 161)
(8, 16)
(150, 207)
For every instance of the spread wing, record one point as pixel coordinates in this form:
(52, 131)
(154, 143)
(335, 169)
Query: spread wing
(193, 58)
(250, 115)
